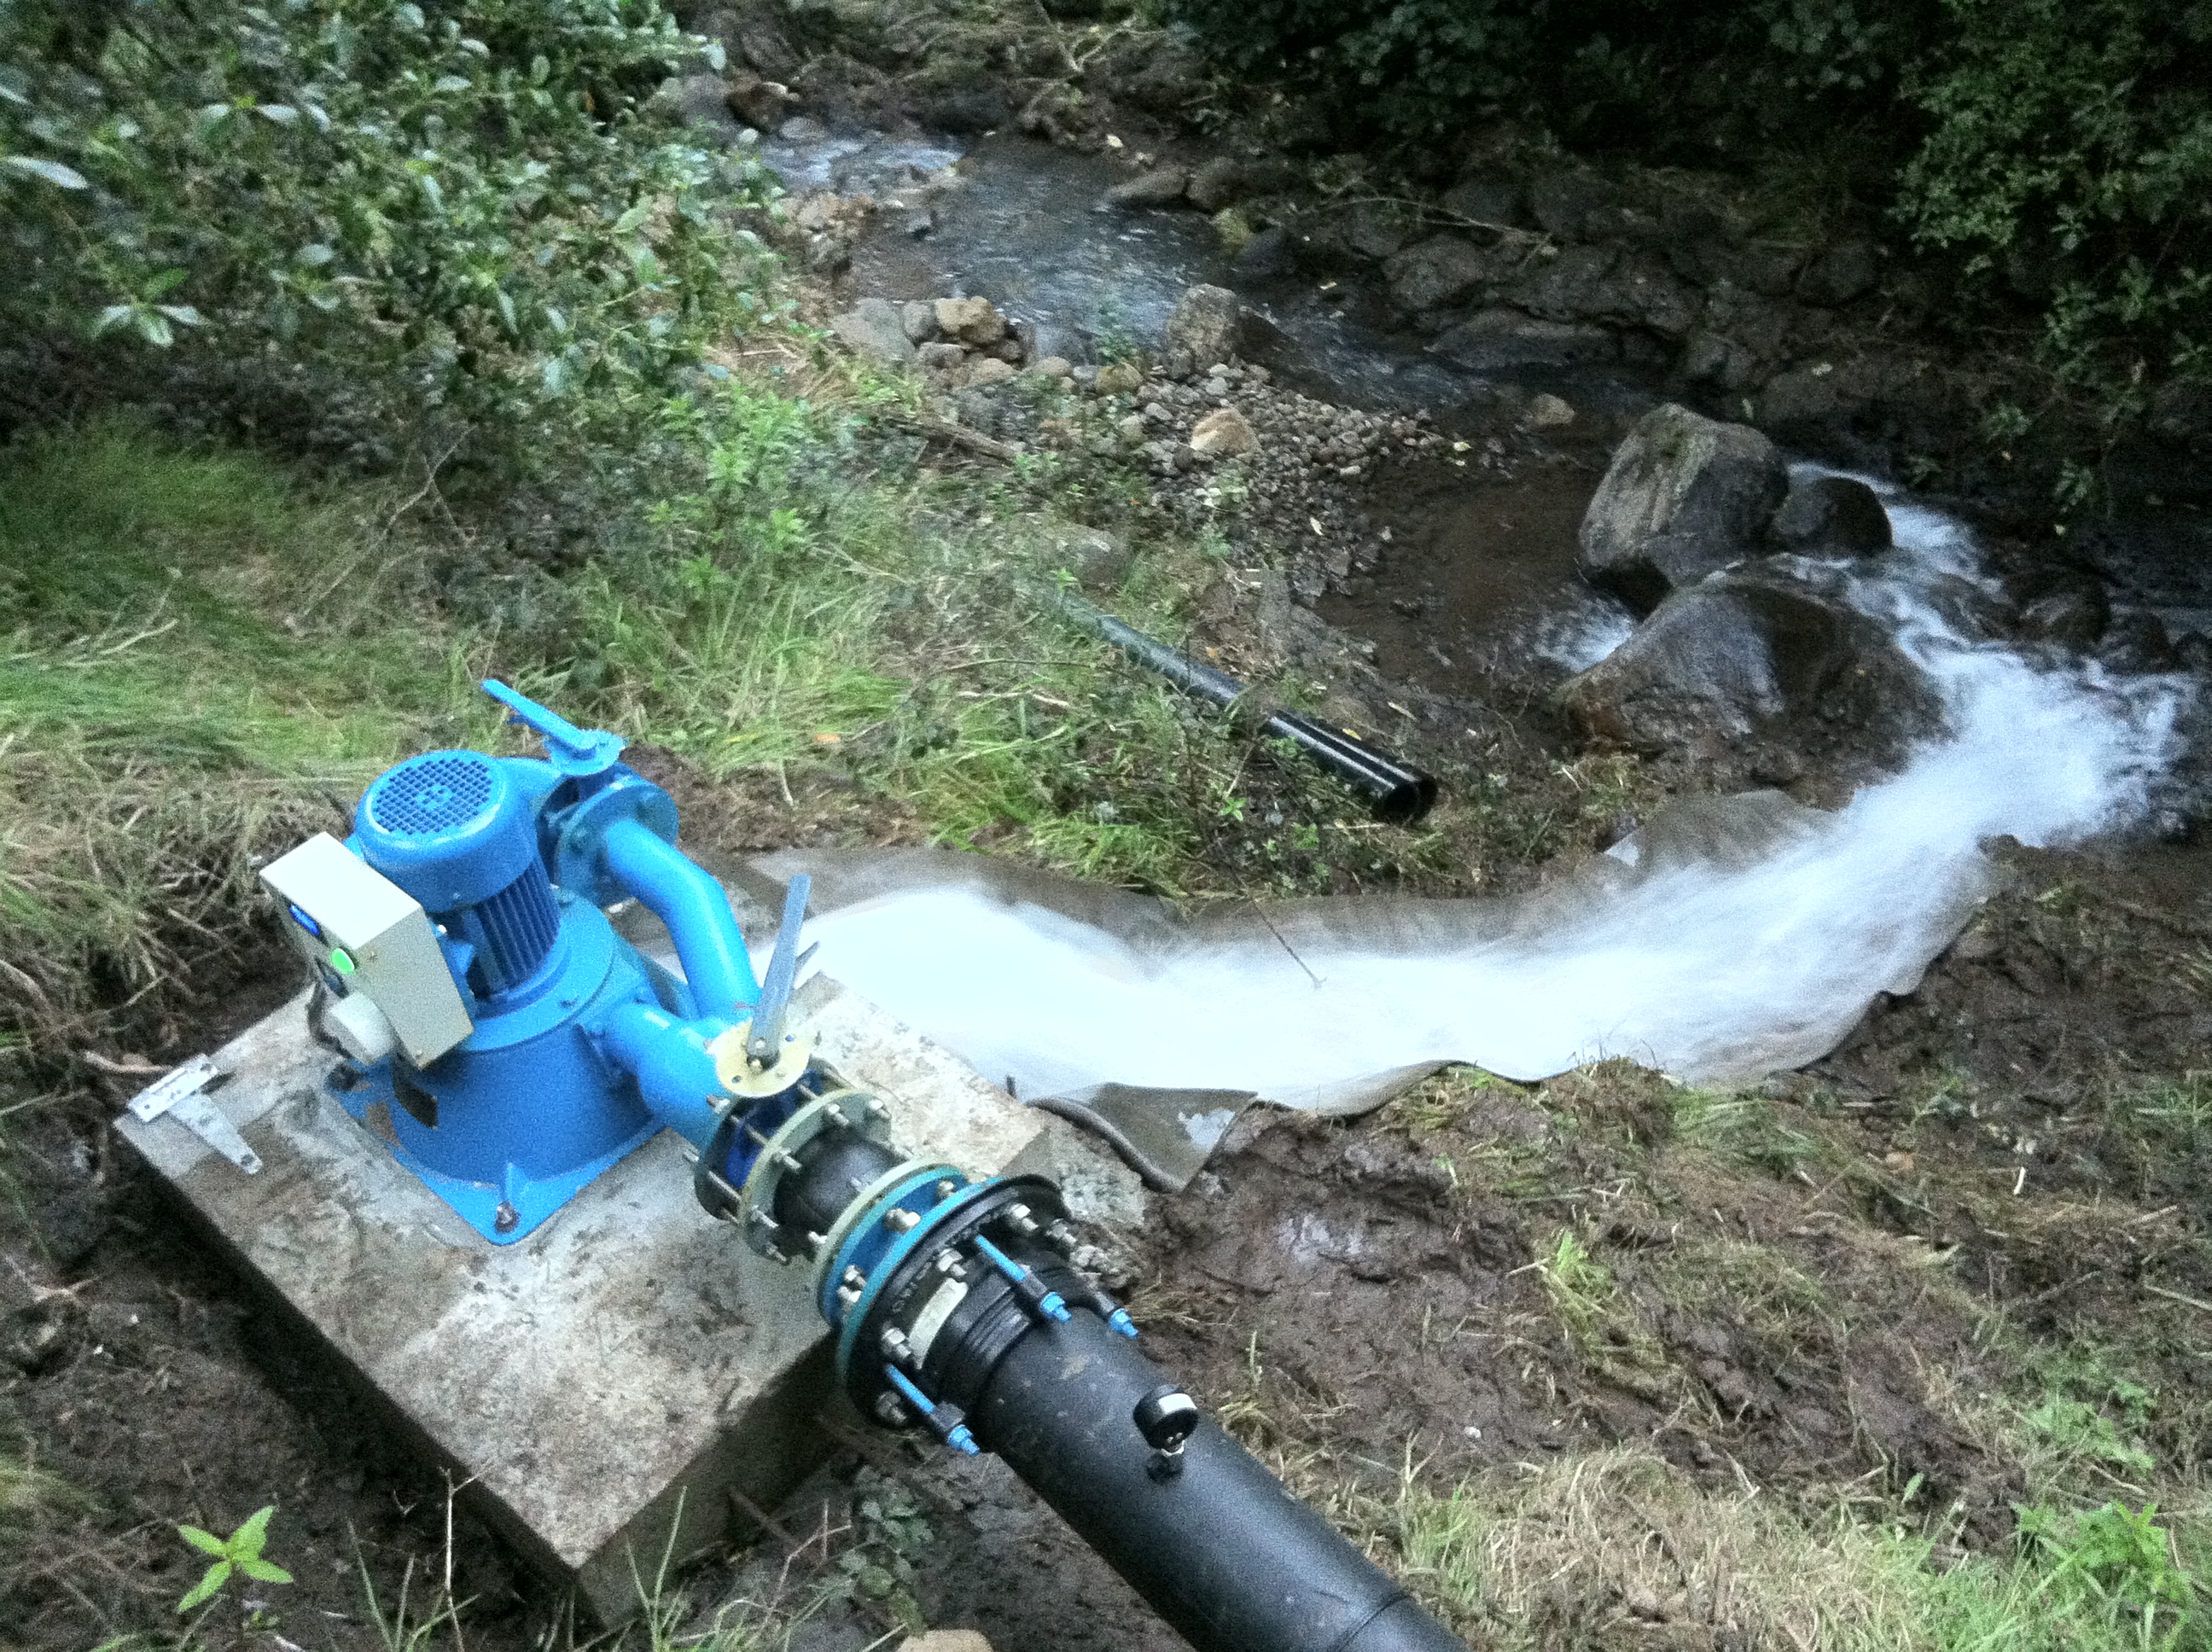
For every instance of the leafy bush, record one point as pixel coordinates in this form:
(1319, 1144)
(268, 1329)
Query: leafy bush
(2070, 160)
(456, 210)
(1602, 68)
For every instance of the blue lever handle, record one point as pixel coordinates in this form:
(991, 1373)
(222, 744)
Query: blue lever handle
(573, 751)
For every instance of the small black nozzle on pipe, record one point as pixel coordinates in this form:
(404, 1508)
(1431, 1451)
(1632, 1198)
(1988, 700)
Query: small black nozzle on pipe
(1394, 792)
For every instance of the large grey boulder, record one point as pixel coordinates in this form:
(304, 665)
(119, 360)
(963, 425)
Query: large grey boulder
(1204, 328)
(1443, 271)
(1833, 516)
(1685, 496)
(1753, 655)
(1495, 339)
(876, 327)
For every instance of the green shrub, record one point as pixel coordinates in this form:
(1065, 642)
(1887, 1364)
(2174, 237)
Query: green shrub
(2070, 160)
(1620, 68)
(456, 212)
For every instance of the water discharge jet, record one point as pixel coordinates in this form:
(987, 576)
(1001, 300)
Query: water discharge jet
(1729, 939)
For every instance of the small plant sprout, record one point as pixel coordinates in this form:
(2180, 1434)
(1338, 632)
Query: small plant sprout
(240, 1552)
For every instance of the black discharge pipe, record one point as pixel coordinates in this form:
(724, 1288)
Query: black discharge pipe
(980, 1319)
(1394, 792)
(1219, 1546)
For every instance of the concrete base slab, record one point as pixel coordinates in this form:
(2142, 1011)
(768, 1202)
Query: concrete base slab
(603, 1387)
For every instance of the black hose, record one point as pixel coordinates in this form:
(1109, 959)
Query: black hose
(1219, 1548)
(1394, 792)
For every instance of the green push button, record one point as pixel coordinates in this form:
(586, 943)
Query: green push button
(342, 960)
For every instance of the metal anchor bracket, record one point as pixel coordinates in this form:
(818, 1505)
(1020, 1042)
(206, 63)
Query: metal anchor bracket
(180, 1093)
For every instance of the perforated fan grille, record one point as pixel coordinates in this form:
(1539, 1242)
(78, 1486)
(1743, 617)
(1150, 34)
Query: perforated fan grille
(431, 796)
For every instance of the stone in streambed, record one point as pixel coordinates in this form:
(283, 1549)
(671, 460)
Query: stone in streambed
(1223, 434)
(1163, 186)
(1216, 185)
(941, 357)
(1744, 652)
(919, 317)
(1685, 496)
(874, 327)
(1204, 326)
(1833, 516)
(970, 320)
(1494, 339)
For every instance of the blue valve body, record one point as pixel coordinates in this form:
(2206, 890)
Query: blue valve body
(583, 1048)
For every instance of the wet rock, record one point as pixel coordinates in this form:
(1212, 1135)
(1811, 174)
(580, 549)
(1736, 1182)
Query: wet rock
(1710, 359)
(697, 101)
(1684, 497)
(919, 317)
(2137, 642)
(1099, 561)
(917, 222)
(1052, 367)
(874, 327)
(1443, 271)
(1740, 655)
(1832, 516)
(762, 103)
(1162, 186)
(1204, 326)
(1497, 338)
(941, 357)
(1608, 283)
(1488, 198)
(970, 320)
(1218, 184)
(2073, 616)
(981, 108)
(990, 371)
(1223, 434)
(1550, 412)
(1118, 379)
(1268, 255)
(1573, 205)
(1845, 271)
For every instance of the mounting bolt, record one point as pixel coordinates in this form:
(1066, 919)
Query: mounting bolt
(899, 1220)
(504, 1218)
(891, 1410)
(1023, 1223)
(947, 1187)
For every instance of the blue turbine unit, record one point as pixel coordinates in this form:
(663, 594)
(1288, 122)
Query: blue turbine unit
(578, 1049)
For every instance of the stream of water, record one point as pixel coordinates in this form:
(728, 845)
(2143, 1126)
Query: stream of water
(1733, 940)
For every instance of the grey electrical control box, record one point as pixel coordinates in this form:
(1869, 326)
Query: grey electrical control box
(352, 922)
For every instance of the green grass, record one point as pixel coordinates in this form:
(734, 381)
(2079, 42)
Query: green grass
(204, 659)
(1622, 1542)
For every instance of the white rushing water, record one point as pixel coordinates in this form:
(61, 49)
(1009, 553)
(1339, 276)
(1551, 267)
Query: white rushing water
(1709, 963)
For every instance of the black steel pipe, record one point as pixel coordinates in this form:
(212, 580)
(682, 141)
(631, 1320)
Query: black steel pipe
(1221, 1548)
(1394, 791)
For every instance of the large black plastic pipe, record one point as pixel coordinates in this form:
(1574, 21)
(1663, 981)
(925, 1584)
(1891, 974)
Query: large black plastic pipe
(1394, 792)
(1222, 1550)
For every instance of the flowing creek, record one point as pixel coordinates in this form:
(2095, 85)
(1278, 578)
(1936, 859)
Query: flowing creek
(1726, 939)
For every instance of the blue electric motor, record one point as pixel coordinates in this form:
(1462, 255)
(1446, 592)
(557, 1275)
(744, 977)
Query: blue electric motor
(517, 1046)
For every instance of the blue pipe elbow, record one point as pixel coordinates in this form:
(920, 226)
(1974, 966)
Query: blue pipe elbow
(669, 1059)
(684, 896)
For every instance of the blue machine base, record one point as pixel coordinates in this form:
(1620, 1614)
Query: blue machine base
(482, 1205)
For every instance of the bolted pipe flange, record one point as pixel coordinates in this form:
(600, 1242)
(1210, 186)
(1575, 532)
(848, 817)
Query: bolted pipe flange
(779, 1155)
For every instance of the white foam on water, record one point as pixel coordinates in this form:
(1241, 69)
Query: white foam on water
(1716, 969)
